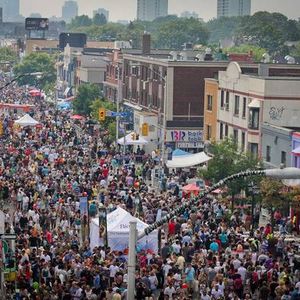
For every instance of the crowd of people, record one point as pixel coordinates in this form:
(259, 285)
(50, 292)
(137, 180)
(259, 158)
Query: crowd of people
(205, 253)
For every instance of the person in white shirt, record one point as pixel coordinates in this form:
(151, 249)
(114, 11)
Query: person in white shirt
(113, 269)
(170, 291)
(204, 296)
(216, 293)
(242, 271)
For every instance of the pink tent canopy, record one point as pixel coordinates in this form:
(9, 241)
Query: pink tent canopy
(191, 188)
(77, 117)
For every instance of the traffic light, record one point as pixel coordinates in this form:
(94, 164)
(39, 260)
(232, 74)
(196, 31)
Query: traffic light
(137, 137)
(102, 114)
(145, 129)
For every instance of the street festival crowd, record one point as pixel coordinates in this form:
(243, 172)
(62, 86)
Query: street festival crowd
(205, 253)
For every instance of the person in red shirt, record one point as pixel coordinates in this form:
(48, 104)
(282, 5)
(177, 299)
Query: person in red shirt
(172, 227)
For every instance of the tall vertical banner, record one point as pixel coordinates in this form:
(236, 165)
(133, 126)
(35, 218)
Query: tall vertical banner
(103, 225)
(83, 206)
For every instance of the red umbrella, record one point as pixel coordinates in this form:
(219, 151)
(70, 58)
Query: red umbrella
(191, 188)
(77, 117)
(34, 93)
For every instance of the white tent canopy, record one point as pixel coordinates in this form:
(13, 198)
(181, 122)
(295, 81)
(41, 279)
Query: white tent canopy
(26, 120)
(118, 232)
(186, 161)
(129, 141)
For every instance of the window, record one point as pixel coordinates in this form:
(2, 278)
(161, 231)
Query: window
(208, 132)
(253, 118)
(268, 153)
(244, 107)
(209, 102)
(253, 147)
(236, 135)
(243, 142)
(222, 99)
(221, 131)
(226, 130)
(236, 105)
(283, 158)
(227, 101)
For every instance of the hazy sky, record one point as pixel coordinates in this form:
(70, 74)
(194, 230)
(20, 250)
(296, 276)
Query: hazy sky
(126, 9)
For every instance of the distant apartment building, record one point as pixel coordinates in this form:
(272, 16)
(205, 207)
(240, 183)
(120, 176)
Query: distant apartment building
(149, 10)
(10, 10)
(69, 10)
(101, 11)
(232, 8)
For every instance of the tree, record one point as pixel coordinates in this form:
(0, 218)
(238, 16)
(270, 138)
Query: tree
(37, 62)
(257, 51)
(110, 123)
(222, 28)
(81, 21)
(7, 54)
(173, 34)
(228, 160)
(86, 94)
(99, 19)
(296, 50)
(267, 30)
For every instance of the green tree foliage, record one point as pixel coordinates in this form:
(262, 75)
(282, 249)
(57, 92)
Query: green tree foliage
(81, 21)
(110, 123)
(296, 50)
(223, 28)
(37, 62)
(268, 30)
(257, 51)
(87, 93)
(173, 34)
(99, 20)
(7, 54)
(228, 160)
(271, 191)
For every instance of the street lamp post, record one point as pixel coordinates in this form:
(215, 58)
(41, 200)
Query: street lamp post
(254, 191)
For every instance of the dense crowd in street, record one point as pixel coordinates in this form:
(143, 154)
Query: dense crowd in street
(205, 253)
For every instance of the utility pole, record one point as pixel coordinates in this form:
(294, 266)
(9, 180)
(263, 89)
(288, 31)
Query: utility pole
(131, 260)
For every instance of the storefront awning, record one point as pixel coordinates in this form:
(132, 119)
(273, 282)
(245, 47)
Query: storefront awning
(255, 103)
(188, 160)
(296, 151)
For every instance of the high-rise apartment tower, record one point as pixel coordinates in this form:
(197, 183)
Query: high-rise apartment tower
(69, 10)
(232, 8)
(148, 10)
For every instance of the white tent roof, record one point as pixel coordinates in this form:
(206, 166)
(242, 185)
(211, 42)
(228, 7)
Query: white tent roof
(188, 160)
(118, 221)
(118, 231)
(26, 120)
(129, 141)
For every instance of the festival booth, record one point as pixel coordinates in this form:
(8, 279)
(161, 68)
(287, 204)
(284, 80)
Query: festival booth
(118, 232)
(26, 120)
(127, 140)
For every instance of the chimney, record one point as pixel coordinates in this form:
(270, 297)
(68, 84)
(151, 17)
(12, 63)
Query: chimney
(263, 70)
(146, 44)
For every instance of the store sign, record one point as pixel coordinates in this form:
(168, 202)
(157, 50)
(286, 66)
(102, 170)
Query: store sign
(188, 136)
(190, 145)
